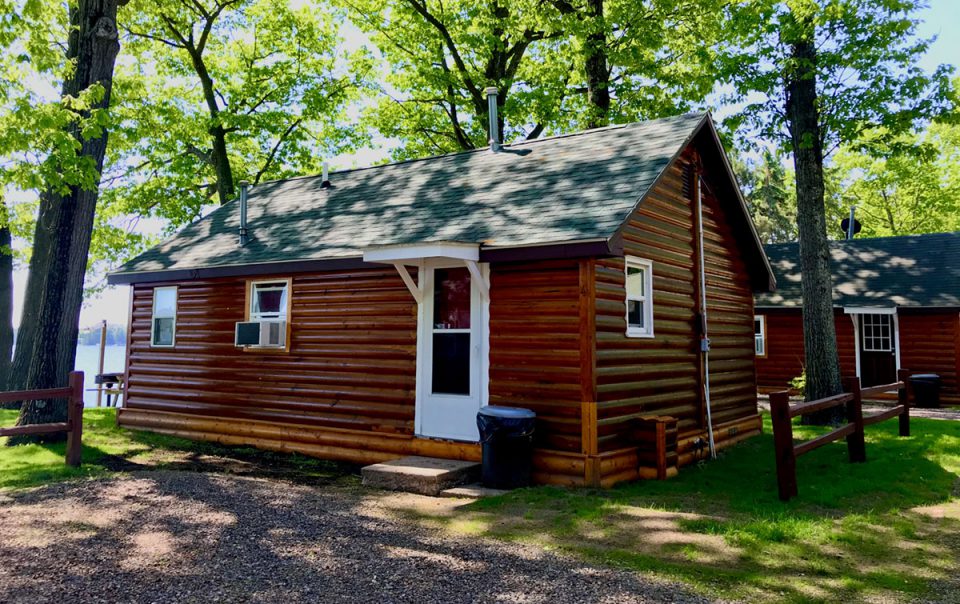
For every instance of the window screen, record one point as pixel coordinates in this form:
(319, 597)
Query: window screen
(451, 331)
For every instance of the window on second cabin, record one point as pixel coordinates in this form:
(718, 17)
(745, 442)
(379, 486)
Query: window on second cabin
(163, 323)
(760, 335)
(639, 286)
(268, 300)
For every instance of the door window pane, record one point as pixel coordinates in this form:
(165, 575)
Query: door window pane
(451, 363)
(877, 333)
(451, 298)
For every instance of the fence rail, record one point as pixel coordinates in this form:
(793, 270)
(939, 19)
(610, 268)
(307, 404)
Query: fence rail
(782, 412)
(74, 424)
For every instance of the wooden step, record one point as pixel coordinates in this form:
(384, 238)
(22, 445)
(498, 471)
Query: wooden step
(423, 475)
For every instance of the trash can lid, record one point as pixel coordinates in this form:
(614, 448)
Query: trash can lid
(508, 412)
(925, 376)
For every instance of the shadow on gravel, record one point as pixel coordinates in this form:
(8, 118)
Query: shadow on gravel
(165, 536)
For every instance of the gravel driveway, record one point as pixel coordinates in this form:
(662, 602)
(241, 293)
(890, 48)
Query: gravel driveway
(193, 537)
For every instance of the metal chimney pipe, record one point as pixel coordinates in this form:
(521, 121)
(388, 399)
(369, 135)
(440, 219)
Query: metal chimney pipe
(325, 178)
(850, 229)
(243, 213)
(494, 127)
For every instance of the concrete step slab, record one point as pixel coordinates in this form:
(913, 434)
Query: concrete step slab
(423, 475)
(472, 491)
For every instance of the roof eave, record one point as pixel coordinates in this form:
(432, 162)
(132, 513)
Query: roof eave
(583, 248)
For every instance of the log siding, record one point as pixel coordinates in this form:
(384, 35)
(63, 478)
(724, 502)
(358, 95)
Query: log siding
(639, 378)
(929, 343)
(346, 387)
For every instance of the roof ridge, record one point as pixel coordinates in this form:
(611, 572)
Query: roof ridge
(689, 114)
(865, 239)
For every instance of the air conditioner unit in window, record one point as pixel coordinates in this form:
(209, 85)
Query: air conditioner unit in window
(261, 334)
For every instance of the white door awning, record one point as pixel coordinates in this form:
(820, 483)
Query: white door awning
(419, 254)
(870, 310)
(415, 252)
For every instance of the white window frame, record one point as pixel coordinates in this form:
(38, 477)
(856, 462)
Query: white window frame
(154, 317)
(876, 333)
(283, 315)
(647, 298)
(760, 352)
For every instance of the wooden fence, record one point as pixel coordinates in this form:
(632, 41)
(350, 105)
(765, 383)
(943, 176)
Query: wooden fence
(782, 412)
(74, 424)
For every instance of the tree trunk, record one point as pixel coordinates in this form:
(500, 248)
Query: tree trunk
(819, 333)
(595, 67)
(6, 300)
(46, 349)
(218, 155)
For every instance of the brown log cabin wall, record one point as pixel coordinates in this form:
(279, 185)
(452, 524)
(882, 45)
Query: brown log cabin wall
(346, 388)
(783, 360)
(661, 376)
(930, 343)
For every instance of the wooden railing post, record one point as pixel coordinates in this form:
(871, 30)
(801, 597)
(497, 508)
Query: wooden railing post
(783, 445)
(856, 447)
(75, 419)
(905, 398)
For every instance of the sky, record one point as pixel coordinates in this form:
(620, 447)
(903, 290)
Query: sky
(941, 19)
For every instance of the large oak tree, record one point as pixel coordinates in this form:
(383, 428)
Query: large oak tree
(813, 74)
(46, 345)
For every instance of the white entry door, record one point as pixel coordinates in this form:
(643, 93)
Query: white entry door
(452, 385)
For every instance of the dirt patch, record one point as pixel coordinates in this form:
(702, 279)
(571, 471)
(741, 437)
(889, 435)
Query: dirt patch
(192, 537)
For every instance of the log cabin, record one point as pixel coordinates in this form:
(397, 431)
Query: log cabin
(367, 314)
(896, 305)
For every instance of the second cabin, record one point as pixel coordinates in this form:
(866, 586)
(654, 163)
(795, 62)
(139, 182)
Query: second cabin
(604, 280)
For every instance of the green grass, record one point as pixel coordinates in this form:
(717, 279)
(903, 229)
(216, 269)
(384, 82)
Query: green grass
(108, 448)
(882, 529)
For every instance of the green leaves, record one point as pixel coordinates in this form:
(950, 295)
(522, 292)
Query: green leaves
(655, 57)
(269, 80)
(866, 69)
(912, 186)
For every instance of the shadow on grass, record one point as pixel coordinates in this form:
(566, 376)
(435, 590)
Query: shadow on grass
(109, 448)
(887, 526)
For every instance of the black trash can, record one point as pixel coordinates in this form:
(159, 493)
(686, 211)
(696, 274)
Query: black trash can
(506, 434)
(926, 390)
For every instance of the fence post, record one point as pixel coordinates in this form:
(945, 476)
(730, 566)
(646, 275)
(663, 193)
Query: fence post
(905, 397)
(75, 419)
(783, 445)
(856, 447)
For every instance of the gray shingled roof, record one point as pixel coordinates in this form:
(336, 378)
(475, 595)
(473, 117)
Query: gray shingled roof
(913, 270)
(562, 189)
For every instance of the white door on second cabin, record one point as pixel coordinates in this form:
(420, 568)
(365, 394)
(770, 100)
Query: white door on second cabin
(452, 377)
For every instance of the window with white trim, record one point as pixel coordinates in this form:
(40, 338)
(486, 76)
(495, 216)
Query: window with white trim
(163, 322)
(639, 286)
(876, 332)
(760, 335)
(268, 300)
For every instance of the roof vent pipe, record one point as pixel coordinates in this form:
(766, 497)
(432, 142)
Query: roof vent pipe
(243, 213)
(325, 179)
(494, 127)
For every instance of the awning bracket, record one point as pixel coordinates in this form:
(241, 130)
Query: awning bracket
(416, 290)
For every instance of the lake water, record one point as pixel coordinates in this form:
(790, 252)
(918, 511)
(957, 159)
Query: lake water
(88, 359)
